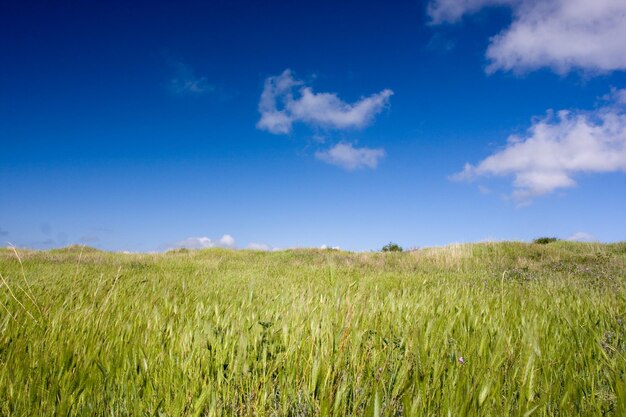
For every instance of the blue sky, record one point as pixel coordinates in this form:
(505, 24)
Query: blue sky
(155, 125)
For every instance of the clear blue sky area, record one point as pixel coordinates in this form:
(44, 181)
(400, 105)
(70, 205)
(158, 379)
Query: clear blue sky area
(138, 126)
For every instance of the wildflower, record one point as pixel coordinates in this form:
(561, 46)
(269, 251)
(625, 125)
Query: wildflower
(461, 360)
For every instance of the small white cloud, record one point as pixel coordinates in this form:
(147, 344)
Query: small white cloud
(203, 242)
(259, 246)
(280, 107)
(581, 237)
(560, 34)
(348, 157)
(556, 148)
(194, 243)
(186, 82)
(227, 241)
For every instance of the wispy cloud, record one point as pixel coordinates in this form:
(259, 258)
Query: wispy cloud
(280, 106)
(194, 243)
(451, 11)
(259, 246)
(582, 237)
(203, 242)
(348, 157)
(484, 190)
(556, 148)
(440, 43)
(186, 82)
(560, 34)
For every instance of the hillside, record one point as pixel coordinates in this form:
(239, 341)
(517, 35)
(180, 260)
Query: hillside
(481, 329)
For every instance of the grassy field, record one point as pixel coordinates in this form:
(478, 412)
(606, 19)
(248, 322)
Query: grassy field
(492, 329)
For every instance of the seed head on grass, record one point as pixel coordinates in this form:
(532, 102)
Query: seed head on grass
(239, 334)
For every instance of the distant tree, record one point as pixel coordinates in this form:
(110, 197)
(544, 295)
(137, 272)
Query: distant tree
(392, 247)
(545, 240)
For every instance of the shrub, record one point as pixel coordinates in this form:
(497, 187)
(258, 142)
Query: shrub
(545, 240)
(392, 247)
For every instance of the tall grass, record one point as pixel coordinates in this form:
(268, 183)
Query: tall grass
(540, 329)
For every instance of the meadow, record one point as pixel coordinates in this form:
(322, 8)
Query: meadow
(490, 329)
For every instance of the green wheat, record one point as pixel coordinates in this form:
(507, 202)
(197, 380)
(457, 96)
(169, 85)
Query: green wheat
(541, 330)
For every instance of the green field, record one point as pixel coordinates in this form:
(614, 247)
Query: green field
(541, 330)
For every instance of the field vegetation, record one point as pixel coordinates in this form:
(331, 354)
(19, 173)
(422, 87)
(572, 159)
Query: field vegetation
(492, 329)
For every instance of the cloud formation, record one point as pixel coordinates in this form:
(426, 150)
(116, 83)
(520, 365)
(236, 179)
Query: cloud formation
(226, 241)
(581, 237)
(186, 82)
(559, 34)
(259, 246)
(280, 106)
(348, 157)
(451, 11)
(203, 242)
(194, 243)
(557, 147)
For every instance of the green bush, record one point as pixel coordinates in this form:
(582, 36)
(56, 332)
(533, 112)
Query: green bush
(392, 247)
(545, 240)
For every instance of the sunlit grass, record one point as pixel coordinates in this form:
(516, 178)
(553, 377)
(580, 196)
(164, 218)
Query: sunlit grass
(308, 332)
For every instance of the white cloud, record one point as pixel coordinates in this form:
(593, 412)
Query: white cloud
(581, 237)
(186, 82)
(556, 148)
(259, 246)
(203, 242)
(350, 158)
(227, 241)
(560, 34)
(194, 243)
(280, 108)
